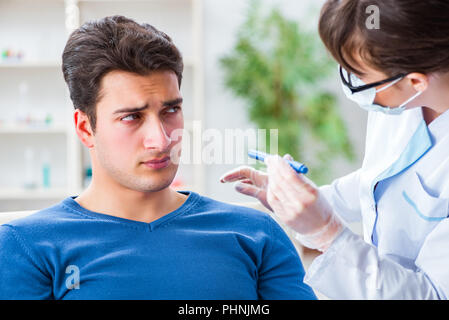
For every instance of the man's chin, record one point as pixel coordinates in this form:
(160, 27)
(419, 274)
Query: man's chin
(153, 186)
(157, 180)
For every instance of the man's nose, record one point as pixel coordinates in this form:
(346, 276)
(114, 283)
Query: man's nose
(156, 136)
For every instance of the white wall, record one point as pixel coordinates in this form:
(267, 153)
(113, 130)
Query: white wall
(223, 110)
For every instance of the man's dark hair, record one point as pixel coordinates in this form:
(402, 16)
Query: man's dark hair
(113, 43)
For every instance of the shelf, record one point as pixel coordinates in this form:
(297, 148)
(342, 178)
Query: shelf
(29, 64)
(32, 130)
(133, 1)
(33, 194)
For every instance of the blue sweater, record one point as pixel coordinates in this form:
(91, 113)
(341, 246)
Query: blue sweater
(203, 250)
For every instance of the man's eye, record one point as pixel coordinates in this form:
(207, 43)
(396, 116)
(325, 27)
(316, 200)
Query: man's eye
(130, 117)
(172, 109)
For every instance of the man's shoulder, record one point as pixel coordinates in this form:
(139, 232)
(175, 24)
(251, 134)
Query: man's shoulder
(41, 221)
(236, 213)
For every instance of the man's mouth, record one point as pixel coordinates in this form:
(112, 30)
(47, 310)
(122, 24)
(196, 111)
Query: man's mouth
(158, 163)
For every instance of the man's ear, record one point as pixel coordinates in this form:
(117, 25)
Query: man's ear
(83, 128)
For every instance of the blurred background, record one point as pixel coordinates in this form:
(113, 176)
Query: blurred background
(248, 65)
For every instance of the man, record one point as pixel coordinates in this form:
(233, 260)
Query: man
(129, 235)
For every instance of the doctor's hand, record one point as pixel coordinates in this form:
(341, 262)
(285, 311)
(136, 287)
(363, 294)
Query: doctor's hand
(299, 204)
(250, 182)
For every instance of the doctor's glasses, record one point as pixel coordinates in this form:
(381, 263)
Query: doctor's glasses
(355, 84)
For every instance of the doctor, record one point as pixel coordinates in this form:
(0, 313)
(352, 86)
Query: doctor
(400, 74)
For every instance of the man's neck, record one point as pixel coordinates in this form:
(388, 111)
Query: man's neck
(131, 204)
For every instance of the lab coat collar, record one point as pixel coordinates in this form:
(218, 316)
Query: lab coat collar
(417, 146)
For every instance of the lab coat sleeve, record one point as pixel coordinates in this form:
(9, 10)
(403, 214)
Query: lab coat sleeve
(433, 257)
(343, 196)
(352, 269)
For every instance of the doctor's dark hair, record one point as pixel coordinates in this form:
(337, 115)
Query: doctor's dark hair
(113, 43)
(413, 35)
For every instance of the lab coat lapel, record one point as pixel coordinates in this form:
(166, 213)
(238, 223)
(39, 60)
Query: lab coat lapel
(393, 144)
(418, 145)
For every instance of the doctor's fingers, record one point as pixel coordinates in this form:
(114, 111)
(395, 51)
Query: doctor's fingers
(275, 179)
(276, 204)
(251, 190)
(247, 188)
(290, 207)
(295, 195)
(289, 198)
(279, 195)
(294, 184)
(280, 206)
(298, 183)
(258, 178)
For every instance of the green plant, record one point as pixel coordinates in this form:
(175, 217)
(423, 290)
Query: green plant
(276, 68)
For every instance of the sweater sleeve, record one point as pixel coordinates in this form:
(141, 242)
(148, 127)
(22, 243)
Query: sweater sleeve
(281, 272)
(21, 276)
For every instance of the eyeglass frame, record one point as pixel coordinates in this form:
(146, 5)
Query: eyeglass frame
(366, 86)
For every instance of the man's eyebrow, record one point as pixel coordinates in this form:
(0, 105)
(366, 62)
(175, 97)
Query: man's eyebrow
(125, 110)
(169, 103)
(172, 103)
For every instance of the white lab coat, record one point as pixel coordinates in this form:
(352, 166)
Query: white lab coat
(401, 195)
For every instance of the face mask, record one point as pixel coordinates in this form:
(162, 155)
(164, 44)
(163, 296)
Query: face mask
(365, 98)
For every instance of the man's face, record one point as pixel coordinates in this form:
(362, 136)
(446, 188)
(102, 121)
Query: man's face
(136, 116)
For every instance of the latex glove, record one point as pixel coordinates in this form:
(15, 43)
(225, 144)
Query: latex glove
(299, 204)
(250, 182)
